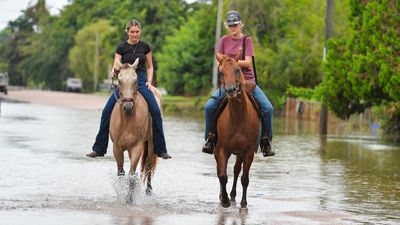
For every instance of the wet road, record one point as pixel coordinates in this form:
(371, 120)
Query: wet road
(46, 179)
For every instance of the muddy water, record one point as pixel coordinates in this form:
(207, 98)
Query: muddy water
(351, 177)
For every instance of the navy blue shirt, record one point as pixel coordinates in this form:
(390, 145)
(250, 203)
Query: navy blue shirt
(130, 53)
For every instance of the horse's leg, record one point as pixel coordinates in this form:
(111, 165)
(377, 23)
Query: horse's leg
(149, 188)
(236, 170)
(222, 160)
(119, 158)
(149, 164)
(134, 156)
(248, 160)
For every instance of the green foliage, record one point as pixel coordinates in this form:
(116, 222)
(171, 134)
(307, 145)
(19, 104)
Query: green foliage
(5, 35)
(185, 64)
(302, 93)
(36, 51)
(364, 71)
(288, 37)
(14, 38)
(82, 55)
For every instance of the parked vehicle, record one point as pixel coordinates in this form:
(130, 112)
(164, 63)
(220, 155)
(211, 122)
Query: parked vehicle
(4, 82)
(74, 84)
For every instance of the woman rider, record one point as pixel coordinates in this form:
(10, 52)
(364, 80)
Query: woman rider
(127, 52)
(230, 45)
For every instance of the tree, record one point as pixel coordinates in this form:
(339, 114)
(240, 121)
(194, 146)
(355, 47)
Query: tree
(185, 64)
(364, 71)
(81, 56)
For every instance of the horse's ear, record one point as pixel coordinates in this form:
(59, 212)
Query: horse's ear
(134, 65)
(220, 57)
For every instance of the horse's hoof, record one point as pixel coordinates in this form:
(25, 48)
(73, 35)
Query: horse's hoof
(149, 192)
(226, 204)
(121, 172)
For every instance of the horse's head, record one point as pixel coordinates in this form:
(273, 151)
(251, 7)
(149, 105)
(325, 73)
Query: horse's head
(231, 76)
(128, 87)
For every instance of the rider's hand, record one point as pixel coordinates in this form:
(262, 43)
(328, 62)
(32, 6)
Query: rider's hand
(149, 85)
(115, 73)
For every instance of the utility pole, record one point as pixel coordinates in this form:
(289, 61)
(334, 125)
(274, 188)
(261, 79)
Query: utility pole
(323, 119)
(217, 36)
(96, 63)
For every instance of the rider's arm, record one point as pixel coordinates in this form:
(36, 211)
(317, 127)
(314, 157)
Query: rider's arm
(245, 63)
(117, 64)
(150, 69)
(242, 63)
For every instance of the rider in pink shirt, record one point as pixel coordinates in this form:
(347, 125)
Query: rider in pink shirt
(230, 45)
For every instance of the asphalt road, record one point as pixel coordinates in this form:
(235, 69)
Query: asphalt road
(57, 98)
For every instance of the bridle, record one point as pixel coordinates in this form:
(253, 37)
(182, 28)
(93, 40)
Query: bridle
(237, 79)
(119, 99)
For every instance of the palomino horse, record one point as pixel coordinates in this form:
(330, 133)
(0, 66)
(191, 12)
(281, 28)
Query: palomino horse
(238, 129)
(131, 126)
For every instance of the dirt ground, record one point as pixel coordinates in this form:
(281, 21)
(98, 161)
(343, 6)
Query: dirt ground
(57, 98)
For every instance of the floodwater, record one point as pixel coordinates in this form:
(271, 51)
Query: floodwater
(351, 177)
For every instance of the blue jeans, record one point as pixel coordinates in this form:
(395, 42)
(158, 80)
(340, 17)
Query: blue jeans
(267, 111)
(101, 143)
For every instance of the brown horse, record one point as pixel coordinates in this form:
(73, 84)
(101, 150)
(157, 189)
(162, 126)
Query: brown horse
(131, 126)
(238, 129)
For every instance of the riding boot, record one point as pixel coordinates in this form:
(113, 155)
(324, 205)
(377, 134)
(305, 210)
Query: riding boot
(266, 147)
(94, 154)
(164, 155)
(209, 146)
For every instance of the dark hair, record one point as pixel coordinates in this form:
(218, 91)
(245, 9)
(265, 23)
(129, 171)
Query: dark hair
(132, 23)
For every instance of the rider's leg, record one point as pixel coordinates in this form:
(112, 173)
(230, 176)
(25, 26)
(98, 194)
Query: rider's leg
(100, 145)
(210, 108)
(158, 132)
(267, 111)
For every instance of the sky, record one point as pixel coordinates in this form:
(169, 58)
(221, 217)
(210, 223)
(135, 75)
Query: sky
(11, 9)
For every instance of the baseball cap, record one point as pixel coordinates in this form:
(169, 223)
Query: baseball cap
(232, 18)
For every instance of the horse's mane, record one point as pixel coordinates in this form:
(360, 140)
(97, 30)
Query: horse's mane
(125, 66)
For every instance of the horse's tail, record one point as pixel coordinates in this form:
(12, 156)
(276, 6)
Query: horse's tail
(149, 161)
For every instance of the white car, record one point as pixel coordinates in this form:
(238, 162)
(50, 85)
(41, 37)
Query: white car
(74, 84)
(3, 82)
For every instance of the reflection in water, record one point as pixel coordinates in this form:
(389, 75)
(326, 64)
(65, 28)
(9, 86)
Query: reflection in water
(230, 217)
(370, 176)
(311, 180)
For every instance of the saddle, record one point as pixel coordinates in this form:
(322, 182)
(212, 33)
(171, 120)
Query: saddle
(249, 88)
